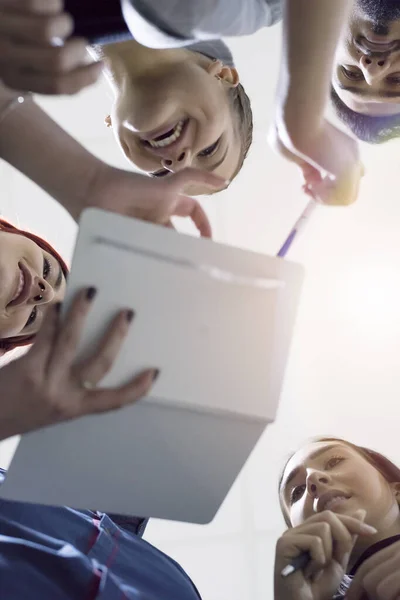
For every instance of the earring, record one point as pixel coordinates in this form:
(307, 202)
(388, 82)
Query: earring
(107, 122)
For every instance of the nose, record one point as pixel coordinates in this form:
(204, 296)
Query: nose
(315, 481)
(182, 160)
(374, 67)
(41, 292)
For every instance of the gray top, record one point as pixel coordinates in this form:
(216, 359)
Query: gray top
(175, 23)
(214, 49)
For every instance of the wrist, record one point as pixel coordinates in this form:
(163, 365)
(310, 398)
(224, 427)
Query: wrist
(98, 187)
(89, 189)
(10, 102)
(297, 126)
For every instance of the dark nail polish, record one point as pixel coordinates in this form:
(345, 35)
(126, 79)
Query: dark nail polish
(129, 315)
(91, 292)
(57, 307)
(156, 374)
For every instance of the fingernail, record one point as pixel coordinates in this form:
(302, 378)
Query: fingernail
(91, 292)
(156, 374)
(369, 528)
(318, 576)
(57, 307)
(129, 315)
(345, 560)
(227, 181)
(57, 41)
(360, 514)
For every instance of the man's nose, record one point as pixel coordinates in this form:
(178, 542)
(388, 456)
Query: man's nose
(374, 67)
(41, 292)
(182, 160)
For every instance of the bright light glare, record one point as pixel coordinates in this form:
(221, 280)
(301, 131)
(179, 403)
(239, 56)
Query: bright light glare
(369, 297)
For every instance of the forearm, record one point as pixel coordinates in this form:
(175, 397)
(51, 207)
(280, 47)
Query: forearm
(35, 145)
(311, 31)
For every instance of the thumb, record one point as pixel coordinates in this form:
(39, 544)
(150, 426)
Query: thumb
(311, 175)
(191, 175)
(360, 515)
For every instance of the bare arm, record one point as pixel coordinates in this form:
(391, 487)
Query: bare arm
(328, 157)
(311, 30)
(35, 145)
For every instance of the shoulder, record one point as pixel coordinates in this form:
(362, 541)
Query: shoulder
(276, 10)
(214, 49)
(174, 23)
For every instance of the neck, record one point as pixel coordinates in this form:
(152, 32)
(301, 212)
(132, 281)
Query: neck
(131, 60)
(363, 543)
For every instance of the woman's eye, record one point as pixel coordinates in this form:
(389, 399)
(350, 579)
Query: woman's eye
(210, 150)
(32, 317)
(46, 268)
(355, 75)
(162, 173)
(332, 462)
(297, 493)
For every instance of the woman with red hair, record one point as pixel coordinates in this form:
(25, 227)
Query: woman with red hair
(32, 277)
(48, 385)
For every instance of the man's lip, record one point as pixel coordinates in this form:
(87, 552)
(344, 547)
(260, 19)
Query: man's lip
(161, 131)
(377, 47)
(377, 39)
(325, 498)
(166, 151)
(27, 286)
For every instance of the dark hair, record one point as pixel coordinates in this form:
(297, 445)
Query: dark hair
(11, 343)
(367, 128)
(242, 108)
(382, 464)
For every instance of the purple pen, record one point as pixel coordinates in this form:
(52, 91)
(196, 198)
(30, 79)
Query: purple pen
(298, 226)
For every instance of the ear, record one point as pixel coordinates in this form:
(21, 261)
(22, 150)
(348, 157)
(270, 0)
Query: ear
(396, 490)
(107, 121)
(228, 75)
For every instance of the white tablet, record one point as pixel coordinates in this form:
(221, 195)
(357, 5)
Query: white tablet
(217, 321)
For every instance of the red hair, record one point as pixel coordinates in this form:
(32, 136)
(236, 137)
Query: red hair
(8, 344)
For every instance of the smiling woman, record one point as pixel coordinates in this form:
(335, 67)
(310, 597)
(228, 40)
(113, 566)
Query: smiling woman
(33, 277)
(178, 108)
(326, 491)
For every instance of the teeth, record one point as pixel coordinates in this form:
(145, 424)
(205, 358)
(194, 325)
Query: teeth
(336, 500)
(20, 285)
(175, 135)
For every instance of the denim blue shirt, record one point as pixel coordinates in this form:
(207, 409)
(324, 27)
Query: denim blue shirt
(58, 553)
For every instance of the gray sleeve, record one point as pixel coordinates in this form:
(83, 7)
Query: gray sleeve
(172, 23)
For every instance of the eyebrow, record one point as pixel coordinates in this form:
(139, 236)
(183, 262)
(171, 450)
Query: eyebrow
(219, 162)
(367, 93)
(312, 456)
(59, 278)
(210, 168)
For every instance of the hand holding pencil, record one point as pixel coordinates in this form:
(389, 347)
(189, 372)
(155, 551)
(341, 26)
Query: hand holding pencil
(333, 175)
(312, 558)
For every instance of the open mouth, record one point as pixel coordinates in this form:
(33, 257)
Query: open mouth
(20, 285)
(168, 137)
(335, 502)
(23, 286)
